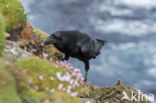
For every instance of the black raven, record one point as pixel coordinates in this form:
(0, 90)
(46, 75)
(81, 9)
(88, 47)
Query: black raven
(76, 44)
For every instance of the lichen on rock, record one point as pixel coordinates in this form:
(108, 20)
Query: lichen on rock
(14, 51)
(2, 34)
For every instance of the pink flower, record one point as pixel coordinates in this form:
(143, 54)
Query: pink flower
(51, 78)
(74, 94)
(58, 74)
(69, 87)
(76, 83)
(57, 62)
(45, 55)
(41, 77)
(62, 64)
(56, 66)
(65, 62)
(73, 74)
(51, 59)
(71, 81)
(60, 86)
(67, 66)
(68, 90)
(63, 89)
(52, 90)
(66, 78)
(81, 78)
(73, 86)
(76, 70)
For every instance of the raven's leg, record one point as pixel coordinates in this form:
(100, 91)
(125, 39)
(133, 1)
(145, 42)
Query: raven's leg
(86, 69)
(65, 58)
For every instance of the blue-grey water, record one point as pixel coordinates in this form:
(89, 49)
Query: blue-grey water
(128, 25)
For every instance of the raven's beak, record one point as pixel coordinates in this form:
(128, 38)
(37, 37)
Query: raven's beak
(45, 42)
(49, 41)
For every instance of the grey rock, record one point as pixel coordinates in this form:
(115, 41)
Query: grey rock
(14, 51)
(88, 100)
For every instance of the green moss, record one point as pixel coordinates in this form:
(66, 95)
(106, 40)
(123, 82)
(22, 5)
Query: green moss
(52, 52)
(31, 85)
(2, 35)
(42, 34)
(8, 92)
(13, 13)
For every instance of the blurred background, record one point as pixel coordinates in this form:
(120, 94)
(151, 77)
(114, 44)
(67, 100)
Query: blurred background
(128, 25)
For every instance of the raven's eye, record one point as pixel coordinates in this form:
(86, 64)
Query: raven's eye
(55, 37)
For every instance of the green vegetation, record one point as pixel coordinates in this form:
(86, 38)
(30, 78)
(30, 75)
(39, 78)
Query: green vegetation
(8, 93)
(42, 34)
(14, 14)
(38, 79)
(2, 35)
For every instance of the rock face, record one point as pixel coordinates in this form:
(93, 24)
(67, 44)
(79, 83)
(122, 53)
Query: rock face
(14, 51)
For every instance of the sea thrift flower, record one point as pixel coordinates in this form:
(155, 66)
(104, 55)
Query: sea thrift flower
(66, 78)
(74, 94)
(51, 59)
(52, 90)
(76, 70)
(63, 89)
(51, 78)
(56, 66)
(65, 62)
(76, 83)
(71, 81)
(58, 74)
(60, 86)
(73, 86)
(67, 74)
(41, 77)
(73, 74)
(57, 62)
(45, 55)
(69, 89)
(62, 64)
(67, 66)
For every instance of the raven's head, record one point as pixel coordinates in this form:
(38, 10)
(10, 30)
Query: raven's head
(102, 42)
(50, 40)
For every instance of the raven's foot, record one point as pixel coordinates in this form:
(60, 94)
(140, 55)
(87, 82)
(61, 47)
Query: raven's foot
(86, 79)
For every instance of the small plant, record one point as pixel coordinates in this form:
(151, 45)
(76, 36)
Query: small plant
(2, 35)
